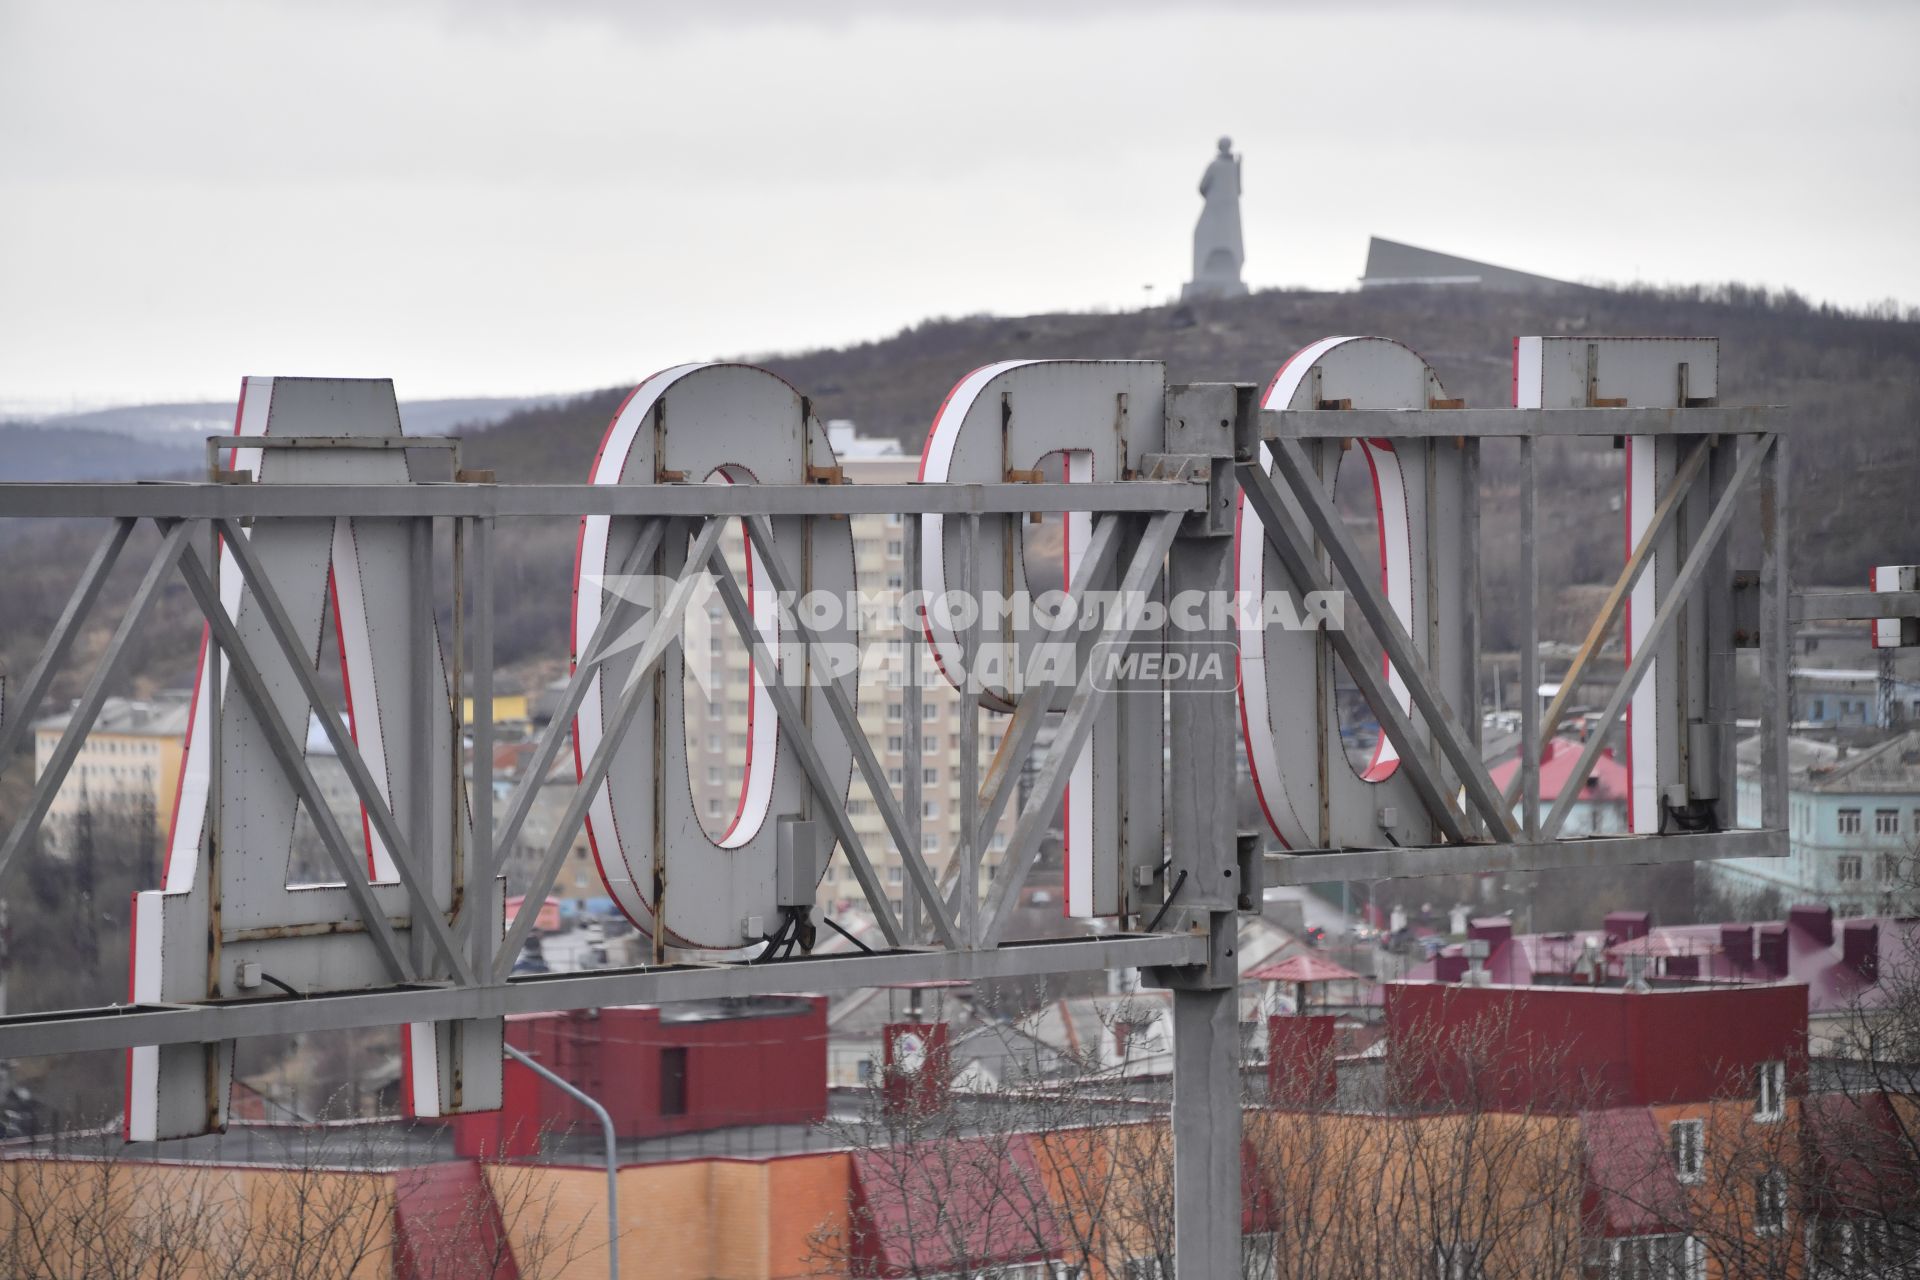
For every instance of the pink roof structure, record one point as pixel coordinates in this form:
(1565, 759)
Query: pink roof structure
(1301, 968)
(1607, 783)
(1840, 961)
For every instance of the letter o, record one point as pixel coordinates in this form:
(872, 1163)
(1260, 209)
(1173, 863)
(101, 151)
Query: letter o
(725, 423)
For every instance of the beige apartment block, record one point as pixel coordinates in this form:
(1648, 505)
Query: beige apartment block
(128, 765)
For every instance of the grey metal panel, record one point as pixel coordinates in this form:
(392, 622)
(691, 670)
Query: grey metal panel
(118, 1027)
(1096, 420)
(1445, 860)
(1264, 495)
(1083, 713)
(1575, 372)
(1835, 606)
(1435, 707)
(205, 501)
(1203, 720)
(1399, 424)
(1712, 774)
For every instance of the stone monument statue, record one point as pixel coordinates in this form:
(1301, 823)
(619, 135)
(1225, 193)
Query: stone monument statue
(1217, 251)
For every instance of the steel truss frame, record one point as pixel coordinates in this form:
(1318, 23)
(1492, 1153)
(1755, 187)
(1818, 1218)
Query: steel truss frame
(1176, 532)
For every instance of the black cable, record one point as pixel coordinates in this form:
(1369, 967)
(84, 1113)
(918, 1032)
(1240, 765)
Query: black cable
(267, 977)
(1178, 883)
(829, 922)
(773, 941)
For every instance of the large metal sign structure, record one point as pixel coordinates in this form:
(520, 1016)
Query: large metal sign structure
(1168, 494)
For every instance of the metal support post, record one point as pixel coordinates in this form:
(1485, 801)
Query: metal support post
(1712, 776)
(482, 909)
(419, 816)
(1206, 1132)
(1203, 721)
(1529, 641)
(1775, 590)
(970, 838)
(1203, 894)
(911, 699)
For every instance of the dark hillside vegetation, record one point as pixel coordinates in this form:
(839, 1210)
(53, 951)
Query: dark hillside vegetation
(1853, 380)
(1854, 383)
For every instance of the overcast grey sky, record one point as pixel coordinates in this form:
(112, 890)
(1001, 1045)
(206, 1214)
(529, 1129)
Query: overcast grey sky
(500, 197)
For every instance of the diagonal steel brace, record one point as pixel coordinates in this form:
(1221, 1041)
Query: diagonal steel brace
(1447, 733)
(840, 700)
(1676, 601)
(586, 667)
(291, 756)
(80, 722)
(425, 914)
(793, 725)
(1611, 607)
(1003, 773)
(1075, 728)
(1300, 562)
(666, 632)
(79, 605)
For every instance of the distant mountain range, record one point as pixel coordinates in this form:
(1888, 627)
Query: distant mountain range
(155, 441)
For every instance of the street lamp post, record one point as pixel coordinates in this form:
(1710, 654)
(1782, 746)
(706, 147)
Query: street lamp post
(613, 1167)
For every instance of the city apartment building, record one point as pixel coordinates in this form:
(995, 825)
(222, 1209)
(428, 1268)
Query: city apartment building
(129, 765)
(717, 716)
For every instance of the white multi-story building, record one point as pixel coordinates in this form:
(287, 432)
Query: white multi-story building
(1853, 823)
